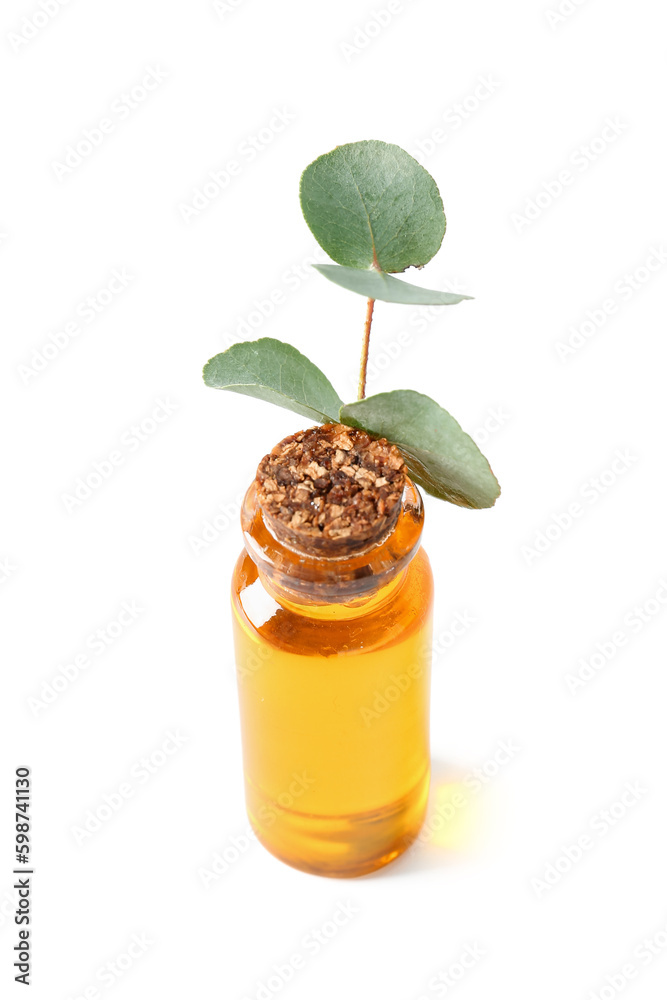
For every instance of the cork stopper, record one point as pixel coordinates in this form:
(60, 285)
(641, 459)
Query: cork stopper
(331, 490)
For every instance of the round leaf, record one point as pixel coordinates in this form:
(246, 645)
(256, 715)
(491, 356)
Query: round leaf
(370, 204)
(276, 372)
(441, 457)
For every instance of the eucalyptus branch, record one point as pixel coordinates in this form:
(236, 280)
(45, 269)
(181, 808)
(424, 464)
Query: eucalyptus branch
(376, 212)
(364, 349)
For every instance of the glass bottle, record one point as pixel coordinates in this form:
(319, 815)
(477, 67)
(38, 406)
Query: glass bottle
(333, 664)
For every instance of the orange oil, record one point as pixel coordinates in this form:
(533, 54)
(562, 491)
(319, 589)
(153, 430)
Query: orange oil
(334, 700)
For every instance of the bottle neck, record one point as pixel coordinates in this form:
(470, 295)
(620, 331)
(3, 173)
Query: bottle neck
(333, 609)
(342, 586)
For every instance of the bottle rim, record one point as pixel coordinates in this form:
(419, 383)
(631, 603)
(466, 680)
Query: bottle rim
(333, 578)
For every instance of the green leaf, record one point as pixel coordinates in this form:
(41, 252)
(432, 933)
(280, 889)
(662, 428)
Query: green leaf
(370, 204)
(440, 456)
(378, 285)
(271, 370)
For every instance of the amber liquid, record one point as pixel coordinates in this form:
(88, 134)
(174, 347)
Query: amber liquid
(334, 705)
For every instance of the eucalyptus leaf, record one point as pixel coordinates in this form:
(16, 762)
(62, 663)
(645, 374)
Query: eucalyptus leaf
(441, 457)
(371, 204)
(276, 372)
(378, 285)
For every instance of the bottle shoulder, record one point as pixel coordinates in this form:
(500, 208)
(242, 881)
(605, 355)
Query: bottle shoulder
(408, 607)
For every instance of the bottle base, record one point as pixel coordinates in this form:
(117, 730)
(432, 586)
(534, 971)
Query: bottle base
(341, 846)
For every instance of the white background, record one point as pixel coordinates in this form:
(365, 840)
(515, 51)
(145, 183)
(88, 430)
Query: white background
(542, 596)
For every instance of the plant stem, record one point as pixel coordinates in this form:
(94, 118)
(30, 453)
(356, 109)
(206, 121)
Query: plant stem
(364, 349)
